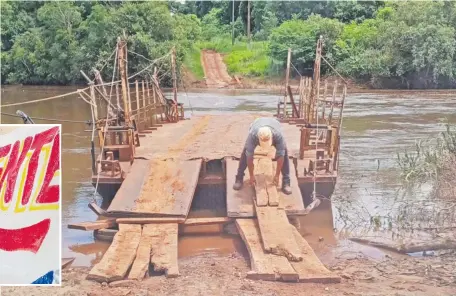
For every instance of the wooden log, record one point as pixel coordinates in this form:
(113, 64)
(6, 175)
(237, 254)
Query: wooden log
(264, 266)
(150, 220)
(311, 270)
(164, 248)
(276, 234)
(93, 225)
(118, 258)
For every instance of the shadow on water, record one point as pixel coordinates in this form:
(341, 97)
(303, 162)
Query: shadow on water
(375, 127)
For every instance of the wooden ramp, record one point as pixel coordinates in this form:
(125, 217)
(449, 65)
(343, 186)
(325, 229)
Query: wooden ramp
(240, 203)
(157, 188)
(267, 266)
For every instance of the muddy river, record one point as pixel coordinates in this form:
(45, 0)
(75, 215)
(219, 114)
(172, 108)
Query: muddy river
(368, 197)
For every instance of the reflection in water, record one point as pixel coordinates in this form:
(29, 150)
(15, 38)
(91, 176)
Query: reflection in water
(375, 127)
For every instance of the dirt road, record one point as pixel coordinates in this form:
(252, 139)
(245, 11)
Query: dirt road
(226, 275)
(215, 70)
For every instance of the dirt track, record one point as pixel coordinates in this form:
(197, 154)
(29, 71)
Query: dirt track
(214, 69)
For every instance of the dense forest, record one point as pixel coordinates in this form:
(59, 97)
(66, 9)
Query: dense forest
(405, 44)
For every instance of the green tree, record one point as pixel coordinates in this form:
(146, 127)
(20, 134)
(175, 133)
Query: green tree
(301, 37)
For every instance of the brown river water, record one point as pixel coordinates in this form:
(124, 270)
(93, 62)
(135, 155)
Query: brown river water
(376, 126)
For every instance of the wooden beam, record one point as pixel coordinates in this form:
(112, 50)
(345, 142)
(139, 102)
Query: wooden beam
(207, 221)
(93, 225)
(158, 220)
(293, 104)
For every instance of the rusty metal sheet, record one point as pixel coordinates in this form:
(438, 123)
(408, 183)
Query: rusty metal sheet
(240, 203)
(157, 188)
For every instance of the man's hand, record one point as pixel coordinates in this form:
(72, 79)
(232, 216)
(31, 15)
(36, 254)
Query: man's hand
(275, 181)
(252, 180)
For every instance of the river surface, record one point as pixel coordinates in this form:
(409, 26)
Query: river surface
(376, 126)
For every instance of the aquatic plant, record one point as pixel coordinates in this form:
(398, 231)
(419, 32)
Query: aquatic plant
(432, 160)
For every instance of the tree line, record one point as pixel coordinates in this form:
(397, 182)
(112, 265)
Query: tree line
(384, 44)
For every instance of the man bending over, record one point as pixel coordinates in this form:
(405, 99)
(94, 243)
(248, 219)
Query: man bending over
(265, 132)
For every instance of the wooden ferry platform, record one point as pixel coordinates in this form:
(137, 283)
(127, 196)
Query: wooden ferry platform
(151, 165)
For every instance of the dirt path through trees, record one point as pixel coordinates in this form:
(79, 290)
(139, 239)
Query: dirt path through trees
(215, 71)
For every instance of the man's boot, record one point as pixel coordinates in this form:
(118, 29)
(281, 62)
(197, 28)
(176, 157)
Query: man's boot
(286, 188)
(238, 184)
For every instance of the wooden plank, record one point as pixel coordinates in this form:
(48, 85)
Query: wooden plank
(164, 248)
(96, 209)
(150, 220)
(66, 262)
(157, 188)
(311, 270)
(240, 203)
(93, 225)
(264, 266)
(276, 234)
(169, 188)
(142, 260)
(263, 169)
(120, 255)
(272, 194)
(261, 194)
(207, 221)
(124, 200)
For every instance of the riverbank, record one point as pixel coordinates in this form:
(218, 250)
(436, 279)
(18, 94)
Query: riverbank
(226, 275)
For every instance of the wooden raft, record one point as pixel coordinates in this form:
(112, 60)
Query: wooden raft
(157, 188)
(240, 203)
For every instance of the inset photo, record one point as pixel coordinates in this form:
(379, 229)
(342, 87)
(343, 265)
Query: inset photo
(30, 204)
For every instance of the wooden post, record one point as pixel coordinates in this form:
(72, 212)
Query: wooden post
(117, 96)
(173, 65)
(316, 78)
(287, 78)
(123, 77)
(324, 99)
(144, 104)
(137, 104)
(248, 22)
(332, 103)
(232, 23)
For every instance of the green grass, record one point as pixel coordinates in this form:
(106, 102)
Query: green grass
(193, 62)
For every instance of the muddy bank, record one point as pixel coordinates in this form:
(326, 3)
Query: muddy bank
(226, 275)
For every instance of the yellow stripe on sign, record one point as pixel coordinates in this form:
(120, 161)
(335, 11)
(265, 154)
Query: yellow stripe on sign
(19, 208)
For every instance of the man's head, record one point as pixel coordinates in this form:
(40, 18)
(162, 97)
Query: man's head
(265, 137)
